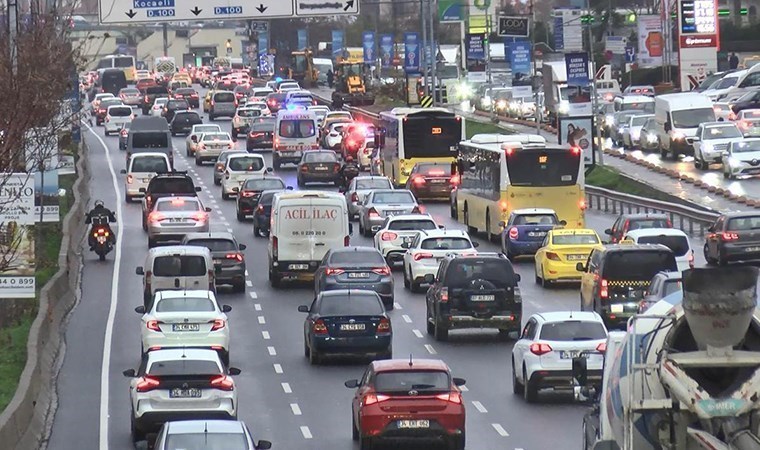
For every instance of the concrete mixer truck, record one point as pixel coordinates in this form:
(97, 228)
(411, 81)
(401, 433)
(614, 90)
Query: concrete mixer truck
(686, 374)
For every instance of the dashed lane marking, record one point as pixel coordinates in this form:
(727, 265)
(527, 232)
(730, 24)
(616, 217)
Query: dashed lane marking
(500, 429)
(254, 295)
(306, 432)
(257, 307)
(397, 305)
(248, 283)
(479, 406)
(262, 320)
(430, 349)
(246, 272)
(277, 369)
(265, 335)
(296, 409)
(286, 388)
(272, 351)
(406, 318)
(417, 333)
(229, 230)
(463, 388)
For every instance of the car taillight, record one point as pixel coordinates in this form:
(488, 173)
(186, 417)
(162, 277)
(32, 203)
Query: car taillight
(156, 217)
(194, 95)
(604, 291)
(147, 383)
(236, 256)
(319, 327)
(178, 96)
(668, 224)
(102, 111)
(304, 168)
(219, 166)
(552, 256)
(384, 326)
(123, 133)
(371, 399)
(582, 204)
(247, 194)
(454, 180)
(388, 236)
(418, 210)
(513, 233)
(346, 241)
(336, 167)
(260, 209)
(602, 347)
(200, 217)
(153, 325)
(222, 382)
(691, 259)
(130, 179)
(419, 180)
(256, 135)
(452, 397)
(729, 236)
(147, 277)
(382, 270)
(213, 103)
(539, 348)
(444, 295)
(419, 256)
(354, 198)
(108, 119)
(333, 271)
(217, 324)
(147, 99)
(373, 214)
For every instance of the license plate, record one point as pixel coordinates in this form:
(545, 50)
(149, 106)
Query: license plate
(185, 393)
(217, 261)
(563, 354)
(358, 275)
(752, 249)
(576, 257)
(408, 239)
(616, 308)
(146, 180)
(537, 233)
(414, 424)
(101, 239)
(321, 169)
(176, 220)
(352, 327)
(393, 213)
(438, 181)
(186, 327)
(299, 266)
(482, 298)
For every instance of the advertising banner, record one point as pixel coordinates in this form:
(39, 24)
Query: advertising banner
(303, 39)
(651, 42)
(16, 236)
(519, 61)
(514, 26)
(696, 64)
(411, 52)
(579, 80)
(386, 50)
(450, 11)
(368, 45)
(475, 49)
(43, 160)
(337, 43)
(698, 41)
(578, 132)
(263, 43)
(559, 35)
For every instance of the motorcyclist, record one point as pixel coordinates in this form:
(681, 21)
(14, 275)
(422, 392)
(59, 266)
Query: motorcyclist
(349, 171)
(99, 215)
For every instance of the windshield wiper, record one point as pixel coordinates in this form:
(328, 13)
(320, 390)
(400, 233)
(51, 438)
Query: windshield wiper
(423, 386)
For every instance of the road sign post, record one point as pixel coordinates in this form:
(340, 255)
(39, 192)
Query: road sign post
(630, 54)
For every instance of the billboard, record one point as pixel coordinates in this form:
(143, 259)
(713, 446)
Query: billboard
(578, 132)
(17, 265)
(578, 78)
(514, 26)
(450, 11)
(386, 50)
(303, 38)
(337, 43)
(698, 41)
(411, 52)
(475, 49)
(368, 46)
(568, 30)
(43, 160)
(651, 42)
(519, 62)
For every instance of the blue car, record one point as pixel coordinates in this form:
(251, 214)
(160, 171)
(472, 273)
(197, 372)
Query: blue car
(524, 232)
(347, 322)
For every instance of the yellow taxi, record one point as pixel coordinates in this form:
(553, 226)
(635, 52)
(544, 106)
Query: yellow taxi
(561, 251)
(207, 100)
(183, 76)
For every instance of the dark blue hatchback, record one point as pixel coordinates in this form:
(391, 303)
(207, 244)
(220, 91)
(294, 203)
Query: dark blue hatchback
(524, 232)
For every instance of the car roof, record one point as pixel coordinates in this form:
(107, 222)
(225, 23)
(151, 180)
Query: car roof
(669, 275)
(355, 248)
(573, 231)
(719, 124)
(177, 249)
(733, 214)
(645, 216)
(343, 292)
(480, 255)
(419, 216)
(146, 154)
(561, 316)
(205, 426)
(642, 232)
(371, 177)
(174, 198)
(193, 293)
(210, 235)
(633, 247)
(442, 233)
(173, 354)
(404, 364)
(384, 191)
(526, 211)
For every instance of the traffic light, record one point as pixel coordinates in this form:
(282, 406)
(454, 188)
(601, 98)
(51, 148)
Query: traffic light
(588, 18)
(229, 43)
(631, 17)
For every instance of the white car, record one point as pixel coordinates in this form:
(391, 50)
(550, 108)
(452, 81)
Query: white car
(141, 168)
(99, 98)
(334, 135)
(211, 145)
(711, 140)
(748, 114)
(259, 94)
(182, 383)
(673, 238)
(238, 169)
(193, 139)
(345, 115)
(424, 254)
(185, 319)
(321, 111)
(632, 133)
(543, 356)
(173, 217)
(158, 106)
(116, 118)
(723, 111)
(289, 87)
(400, 230)
(359, 188)
(261, 106)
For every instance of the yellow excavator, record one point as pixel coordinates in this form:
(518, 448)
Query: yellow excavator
(302, 68)
(349, 85)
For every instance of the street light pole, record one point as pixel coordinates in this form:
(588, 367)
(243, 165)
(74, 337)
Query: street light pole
(423, 25)
(433, 53)
(535, 68)
(594, 99)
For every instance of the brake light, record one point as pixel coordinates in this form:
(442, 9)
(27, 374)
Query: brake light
(336, 168)
(455, 179)
(217, 324)
(256, 135)
(178, 96)
(539, 348)
(388, 236)
(247, 194)
(200, 217)
(346, 241)
(274, 246)
(147, 383)
(222, 382)
(729, 236)
(153, 325)
(156, 217)
(333, 271)
(668, 224)
(319, 327)
(582, 204)
(503, 205)
(419, 180)
(602, 347)
(260, 209)
(130, 179)
(382, 270)
(371, 399)
(419, 256)
(123, 132)
(575, 150)
(691, 259)
(304, 169)
(373, 214)
(603, 289)
(350, 143)
(147, 99)
(236, 256)
(452, 397)
(355, 198)
(219, 166)
(384, 326)
(418, 210)
(513, 233)
(552, 256)
(194, 95)
(444, 295)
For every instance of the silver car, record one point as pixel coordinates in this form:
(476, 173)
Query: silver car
(207, 434)
(173, 217)
(382, 203)
(221, 163)
(192, 140)
(131, 96)
(358, 190)
(211, 145)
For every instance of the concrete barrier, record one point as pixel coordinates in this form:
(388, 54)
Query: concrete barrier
(27, 420)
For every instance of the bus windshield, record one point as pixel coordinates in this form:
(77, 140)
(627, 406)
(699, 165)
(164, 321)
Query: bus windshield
(431, 136)
(543, 167)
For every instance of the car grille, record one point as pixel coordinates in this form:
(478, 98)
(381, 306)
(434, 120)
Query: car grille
(720, 147)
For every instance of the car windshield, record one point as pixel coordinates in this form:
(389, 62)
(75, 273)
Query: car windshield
(725, 83)
(389, 198)
(672, 286)
(536, 219)
(320, 157)
(297, 128)
(446, 243)
(245, 164)
(177, 204)
(691, 118)
(224, 97)
(745, 146)
(206, 441)
(574, 239)
(130, 91)
(188, 117)
(496, 271)
(183, 304)
(120, 111)
(350, 305)
(679, 245)
(209, 137)
(214, 245)
(404, 381)
(412, 225)
(638, 224)
(150, 139)
(339, 115)
(744, 223)
(573, 330)
(638, 121)
(184, 366)
(362, 257)
(144, 164)
(373, 183)
(722, 132)
(249, 112)
(179, 266)
(262, 184)
(638, 264)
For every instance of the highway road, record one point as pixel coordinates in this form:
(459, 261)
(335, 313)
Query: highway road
(282, 397)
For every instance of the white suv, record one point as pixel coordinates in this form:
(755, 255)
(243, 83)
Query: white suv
(543, 356)
(398, 230)
(424, 254)
(179, 384)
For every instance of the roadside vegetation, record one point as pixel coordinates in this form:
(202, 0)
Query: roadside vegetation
(609, 178)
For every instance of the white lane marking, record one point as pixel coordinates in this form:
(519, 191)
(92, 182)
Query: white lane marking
(254, 295)
(500, 429)
(417, 333)
(246, 272)
(463, 388)
(108, 338)
(272, 351)
(479, 406)
(226, 224)
(257, 307)
(262, 320)
(296, 409)
(430, 349)
(229, 230)
(277, 368)
(406, 318)
(286, 388)
(248, 283)
(397, 305)
(306, 432)
(265, 335)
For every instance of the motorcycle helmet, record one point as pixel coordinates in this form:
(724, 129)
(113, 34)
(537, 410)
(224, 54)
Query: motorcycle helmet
(99, 203)
(349, 158)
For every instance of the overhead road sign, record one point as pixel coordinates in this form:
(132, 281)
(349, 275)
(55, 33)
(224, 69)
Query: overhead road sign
(152, 11)
(514, 26)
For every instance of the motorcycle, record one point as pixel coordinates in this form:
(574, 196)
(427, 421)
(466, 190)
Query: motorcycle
(102, 238)
(349, 173)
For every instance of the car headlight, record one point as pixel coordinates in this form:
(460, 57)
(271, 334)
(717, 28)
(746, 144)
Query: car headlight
(464, 90)
(732, 162)
(635, 134)
(677, 135)
(609, 120)
(501, 104)
(708, 147)
(651, 138)
(564, 107)
(486, 101)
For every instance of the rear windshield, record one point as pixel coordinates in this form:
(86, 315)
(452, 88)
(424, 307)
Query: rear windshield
(206, 129)
(672, 286)
(150, 139)
(388, 198)
(336, 305)
(744, 223)
(320, 157)
(498, 272)
(574, 239)
(188, 116)
(357, 257)
(246, 164)
(172, 186)
(120, 112)
(194, 304)
(536, 219)
(153, 90)
(414, 224)
(751, 113)
(208, 137)
(722, 132)
(149, 164)
(297, 128)
(638, 224)
(434, 170)
(186, 91)
(408, 380)
(638, 121)
(263, 184)
(266, 127)
(678, 244)
(249, 112)
(573, 330)
(445, 243)
(374, 183)
(224, 97)
(214, 245)
(133, 91)
(177, 104)
(184, 367)
(178, 266)
(638, 265)
(209, 441)
(178, 204)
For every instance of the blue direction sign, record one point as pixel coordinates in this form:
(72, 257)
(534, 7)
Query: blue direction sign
(630, 54)
(153, 4)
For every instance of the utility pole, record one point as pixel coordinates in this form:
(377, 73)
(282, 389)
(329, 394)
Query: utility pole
(13, 33)
(487, 43)
(433, 53)
(165, 29)
(423, 25)
(594, 99)
(537, 110)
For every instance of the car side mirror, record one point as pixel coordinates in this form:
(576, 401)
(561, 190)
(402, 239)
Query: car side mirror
(503, 224)
(207, 209)
(263, 445)
(517, 277)
(202, 117)
(242, 246)
(235, 189)
(303, 309)
(197, 188)
(580, 370)
(140, 309)
(270, 170)
(123, 171)
(139, 270)
(667, 126)
(405, 245)
(194, 138)
(563, 222)
(141, 190)
(429, 278)
(580, 267)
(226, 308)
(441, 227)
(608, 231)
(341, 190)
(289, 188)
(351, 384)
(129, 373)
(476, 244)
(234, 371)
(696, 139)
(459, 381)
(711, 229)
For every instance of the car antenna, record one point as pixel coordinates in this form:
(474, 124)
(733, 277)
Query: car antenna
(410, 360)
(183, 352)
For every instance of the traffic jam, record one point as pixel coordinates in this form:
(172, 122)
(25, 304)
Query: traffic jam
(345, 215)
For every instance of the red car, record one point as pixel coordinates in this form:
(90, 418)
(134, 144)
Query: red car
(404, 399)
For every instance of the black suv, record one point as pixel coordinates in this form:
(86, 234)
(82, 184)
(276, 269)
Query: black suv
(733, 237)
(172, 106)
(183, 122)
(166, 184)
(478, 291)
(150, 96)
(627, 222)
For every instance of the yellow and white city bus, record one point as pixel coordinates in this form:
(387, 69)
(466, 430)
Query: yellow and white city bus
(412, 135)
(502, 173)
(124, 62)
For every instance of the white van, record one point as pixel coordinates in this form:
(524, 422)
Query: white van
(677, 117)
(323, 66)
(606, 90)
(676, 240)
(176, 267)
(295, 131)
(634, 103)
(749, 80)
(723, 86)
(305, 225)
(140, 169)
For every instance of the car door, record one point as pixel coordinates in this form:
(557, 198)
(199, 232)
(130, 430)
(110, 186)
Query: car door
(588, 279)
(364, 207)
(712, 240)
(522, 344)
(432, 293)
(699, 143)
(361, 392)
(320, 271)
(309, 322)
(542, 250)
(613, 229)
